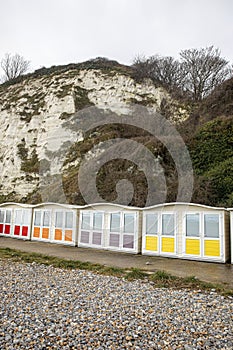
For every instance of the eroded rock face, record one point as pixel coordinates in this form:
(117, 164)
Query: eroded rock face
(35, 135)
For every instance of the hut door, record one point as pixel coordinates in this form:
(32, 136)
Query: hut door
(192, 242)
(212, 243)
(151, 233)
(168, 235)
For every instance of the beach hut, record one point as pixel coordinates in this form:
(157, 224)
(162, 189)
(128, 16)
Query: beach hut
(55, 223)
(231, 232)
(186, 230)
(110, 226)
(15, 220)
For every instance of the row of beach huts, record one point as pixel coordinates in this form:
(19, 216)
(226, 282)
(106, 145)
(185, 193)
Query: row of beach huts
(178, 230)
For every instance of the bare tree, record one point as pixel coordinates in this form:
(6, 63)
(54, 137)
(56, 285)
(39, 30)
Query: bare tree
(202, 70)
(164, 71)
(141, 67)
(195, 75)
(14, 66)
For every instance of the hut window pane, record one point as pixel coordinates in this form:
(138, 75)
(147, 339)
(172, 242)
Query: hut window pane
(69, 219)
(151, 224)
(46, 218)
(128, 241)
(211, 225)
(192, 225)
(168, 225)
(59, 219)
(1, 216)
(8, 216)
(37, 219)
(96, 239)
(114, 240)
(97, 221)
(26, 217)
(18, 215)
(84, 237)
(115, 222)
(86, 221)
(129, 223)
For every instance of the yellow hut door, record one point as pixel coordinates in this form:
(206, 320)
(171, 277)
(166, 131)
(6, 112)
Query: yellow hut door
(151, 243)
(212, 243)
(192, 244)
(168, 235)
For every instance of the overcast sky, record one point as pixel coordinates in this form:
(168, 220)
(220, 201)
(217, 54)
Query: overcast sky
(52, 32)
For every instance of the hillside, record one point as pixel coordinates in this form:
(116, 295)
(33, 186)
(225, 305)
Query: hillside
(219, 103)
(43, 141)
(211, 148)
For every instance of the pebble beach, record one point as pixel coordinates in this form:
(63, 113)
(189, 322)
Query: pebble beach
(42, 307)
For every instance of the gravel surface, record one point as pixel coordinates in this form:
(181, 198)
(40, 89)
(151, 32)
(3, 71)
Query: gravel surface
(42, 307)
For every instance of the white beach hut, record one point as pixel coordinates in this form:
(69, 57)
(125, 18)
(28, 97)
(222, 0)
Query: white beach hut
(56, 223)
(186, 230)
(15, 220)
(110, 226)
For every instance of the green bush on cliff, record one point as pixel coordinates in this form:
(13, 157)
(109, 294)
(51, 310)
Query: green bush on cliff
(212, 144)
(211, 151)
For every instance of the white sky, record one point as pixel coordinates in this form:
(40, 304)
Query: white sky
(52, 32)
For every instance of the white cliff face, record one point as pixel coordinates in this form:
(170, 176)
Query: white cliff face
(33, 117)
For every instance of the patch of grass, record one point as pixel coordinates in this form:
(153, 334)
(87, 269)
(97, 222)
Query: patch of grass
(135, 274)
(28, 164)
(190, 279)
(113, 271)
(17, 255)
(163, 279)
(31, 165)
(63, 91)
(22, 150)
(161, 276)
(30, 104)
(81, 99)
